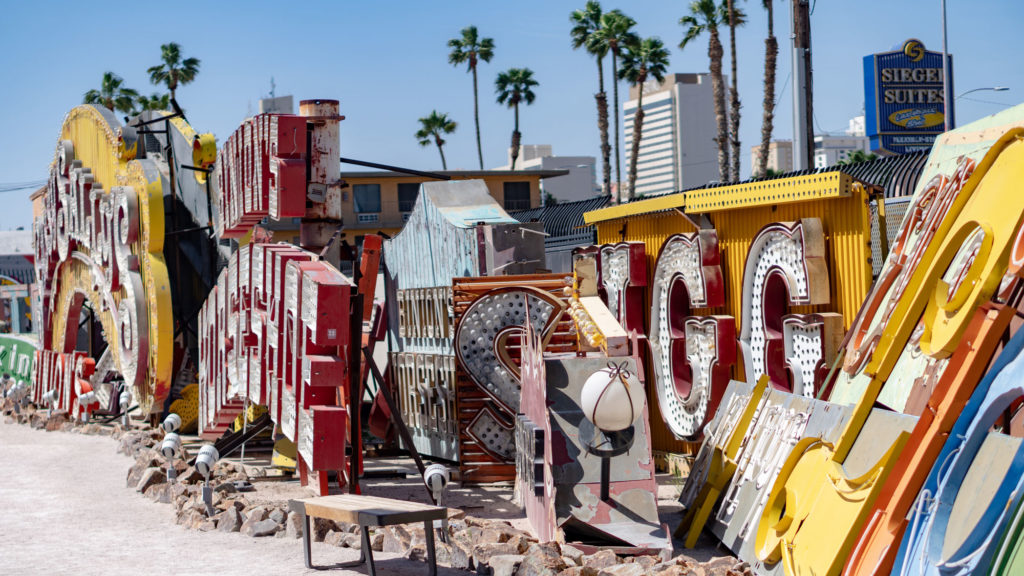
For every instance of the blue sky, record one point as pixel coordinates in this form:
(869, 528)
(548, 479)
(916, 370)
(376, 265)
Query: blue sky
(387, 64)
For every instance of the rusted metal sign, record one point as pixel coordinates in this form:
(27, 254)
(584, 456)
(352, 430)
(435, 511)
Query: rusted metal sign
(99, 239)
(563, 458)
(260, 172)
(276, 330)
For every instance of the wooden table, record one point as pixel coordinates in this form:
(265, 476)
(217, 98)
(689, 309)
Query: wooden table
(367, 511)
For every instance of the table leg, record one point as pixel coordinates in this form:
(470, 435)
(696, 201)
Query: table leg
(428, 530)
(365, 552)
(307, 540)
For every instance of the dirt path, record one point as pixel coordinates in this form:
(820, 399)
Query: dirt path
(64, 510)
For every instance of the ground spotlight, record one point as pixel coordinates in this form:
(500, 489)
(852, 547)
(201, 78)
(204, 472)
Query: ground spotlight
(170, 447)
(172, 423)
(124, 400)
(205, 460)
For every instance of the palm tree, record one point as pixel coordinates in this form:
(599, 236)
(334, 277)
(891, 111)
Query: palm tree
(771, 53)
(155, 102)
(432, 128)
(471, 49)
(614, 34)
(585, 24)
(706, 16)
(173, 71)
(112, 94)
(647, 58)
(736, 18)
(513, 86)
(856, 157)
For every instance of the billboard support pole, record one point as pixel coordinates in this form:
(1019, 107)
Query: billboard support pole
(949, 112)
(803, 127)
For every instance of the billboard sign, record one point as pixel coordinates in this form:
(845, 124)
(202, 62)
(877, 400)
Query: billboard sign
(904, 100)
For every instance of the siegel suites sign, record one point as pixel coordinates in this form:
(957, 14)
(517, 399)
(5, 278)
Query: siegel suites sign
(905, 103)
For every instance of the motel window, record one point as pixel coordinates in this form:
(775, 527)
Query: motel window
(407, 194)
(517, 195)
(367, 197)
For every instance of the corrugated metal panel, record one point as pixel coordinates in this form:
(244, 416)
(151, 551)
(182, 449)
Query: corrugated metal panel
(895, 211)
(897, 175)
(562, 219)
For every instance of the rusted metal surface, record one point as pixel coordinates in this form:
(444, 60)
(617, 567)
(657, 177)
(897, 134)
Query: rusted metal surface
(560, 471)
(486, 401)
(456, 229)
(275, 330)
(783, 419)
(105, 246)
(260, 172)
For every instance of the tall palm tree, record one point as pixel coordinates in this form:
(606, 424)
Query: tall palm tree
(470, 48)
(432, 127)
(155, 102)
(771, 53)
(736, 18)
(112, 94)
(513, 86)
(615, 33)
(173, 71)
(647, 58)
(707, 16)
(585, 24)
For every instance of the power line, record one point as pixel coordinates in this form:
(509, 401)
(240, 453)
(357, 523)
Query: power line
(1003, 104)
(15, 186)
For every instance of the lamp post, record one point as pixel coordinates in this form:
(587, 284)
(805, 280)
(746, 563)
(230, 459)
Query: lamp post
(992, 88)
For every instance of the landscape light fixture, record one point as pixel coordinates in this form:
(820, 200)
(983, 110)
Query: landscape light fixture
(172, 423)
(50, 398)
(124, 400)
(170, 447)
(436, 477)
(83, 401)
(205, 460)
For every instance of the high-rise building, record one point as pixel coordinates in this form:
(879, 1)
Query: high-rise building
(677, 139)
(780, 156)
(579, 184)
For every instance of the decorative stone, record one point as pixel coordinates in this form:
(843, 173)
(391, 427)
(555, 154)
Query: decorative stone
(542, 560)
(257, 513)
(294, 526)
(575, 554)
(277, 515)
(225, 488)
(646, 561)
(488, 535)
(259, 528)
(320, 528)
(335, 538)
(599, 560)
(462, 555)
(396, 540)
(352, 541)
(632, 569)
(482, 552)
(190, 476)
(377, 541)
(150, 477)
(505, 564)
(229, 520)
(207, 525)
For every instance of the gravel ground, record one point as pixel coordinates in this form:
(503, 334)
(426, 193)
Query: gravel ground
(64, 510)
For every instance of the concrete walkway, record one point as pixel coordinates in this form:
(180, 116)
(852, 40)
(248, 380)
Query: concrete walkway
(64, 509)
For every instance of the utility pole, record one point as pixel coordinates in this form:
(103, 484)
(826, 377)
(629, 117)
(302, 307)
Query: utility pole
(803, 111)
